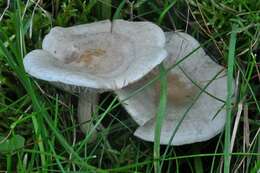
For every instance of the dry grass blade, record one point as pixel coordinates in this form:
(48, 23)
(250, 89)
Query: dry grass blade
(5, 10)
(238, 115)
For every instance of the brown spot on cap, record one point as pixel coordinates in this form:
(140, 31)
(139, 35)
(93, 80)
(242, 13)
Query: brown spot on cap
(178, 91)
(88, 55)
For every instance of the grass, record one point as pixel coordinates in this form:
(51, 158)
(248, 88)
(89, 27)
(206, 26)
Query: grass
(44, 117)
(231, 63)
(160, 118)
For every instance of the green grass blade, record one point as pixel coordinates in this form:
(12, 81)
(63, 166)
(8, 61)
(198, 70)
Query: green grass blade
(243, 75)
(117, 14)
(162, 15)
(231, 64)
(37, 123)
(198, 164)
(56, 158)
(160, 118)
(127, 167)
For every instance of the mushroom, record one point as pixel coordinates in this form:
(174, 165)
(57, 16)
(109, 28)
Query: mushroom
(96, 57)
(192, 78)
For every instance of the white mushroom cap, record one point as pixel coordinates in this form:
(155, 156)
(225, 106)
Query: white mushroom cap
(100, 55)
(205, 119)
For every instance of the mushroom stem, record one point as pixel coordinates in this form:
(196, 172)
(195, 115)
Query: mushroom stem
(86, 107)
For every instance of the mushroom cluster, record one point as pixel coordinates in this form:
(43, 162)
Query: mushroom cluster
(122, 56)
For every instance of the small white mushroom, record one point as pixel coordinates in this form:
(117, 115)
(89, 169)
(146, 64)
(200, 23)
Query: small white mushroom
(97, 57)
(205, 119)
